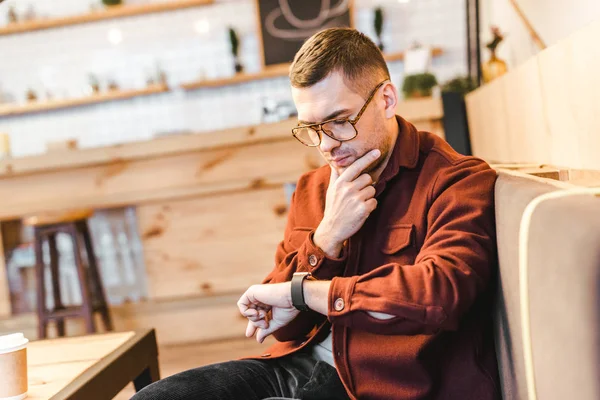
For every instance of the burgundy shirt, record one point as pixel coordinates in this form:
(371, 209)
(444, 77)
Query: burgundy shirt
(427, 255)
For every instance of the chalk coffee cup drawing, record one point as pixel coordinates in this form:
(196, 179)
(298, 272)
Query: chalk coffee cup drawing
(13, 367)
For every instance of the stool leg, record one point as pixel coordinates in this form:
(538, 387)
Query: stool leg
(54, 272)
(95, 275)
(41, 284)
(87, 308)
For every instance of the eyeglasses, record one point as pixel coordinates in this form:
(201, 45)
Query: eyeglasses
(340, 129)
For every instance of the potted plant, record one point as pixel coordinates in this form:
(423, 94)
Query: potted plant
(378, 25)
(494, 67)
(235, 46)
(456, 127)
(418, 85)
(460, 85)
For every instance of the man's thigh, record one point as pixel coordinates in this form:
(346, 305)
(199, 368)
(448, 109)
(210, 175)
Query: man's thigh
(243, 379)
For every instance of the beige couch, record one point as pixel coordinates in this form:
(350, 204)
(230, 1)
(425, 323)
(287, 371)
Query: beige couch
(549, 232)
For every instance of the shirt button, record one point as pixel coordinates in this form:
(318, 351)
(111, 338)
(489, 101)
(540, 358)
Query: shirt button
(312, 260)
(339, 304)
(266, 355)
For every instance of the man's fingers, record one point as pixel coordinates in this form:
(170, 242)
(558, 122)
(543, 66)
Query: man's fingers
(263, 333)
(358, 166)
(254, 326)
(367, 193)
(363, 181)
(250, 329)
(333, 176)
(371, 204)
(254, 315)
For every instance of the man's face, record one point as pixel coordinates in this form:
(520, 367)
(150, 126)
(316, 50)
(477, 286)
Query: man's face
(331, 98)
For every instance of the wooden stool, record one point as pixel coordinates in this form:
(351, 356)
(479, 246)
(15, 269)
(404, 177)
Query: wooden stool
(74, 224)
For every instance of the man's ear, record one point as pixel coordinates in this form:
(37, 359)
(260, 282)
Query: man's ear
(390, 96)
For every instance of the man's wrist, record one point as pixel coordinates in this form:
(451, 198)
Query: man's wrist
(330, 248)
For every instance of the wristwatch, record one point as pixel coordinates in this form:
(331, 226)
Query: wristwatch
(298, 290)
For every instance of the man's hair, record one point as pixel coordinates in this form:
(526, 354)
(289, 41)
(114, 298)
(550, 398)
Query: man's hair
(339, 49)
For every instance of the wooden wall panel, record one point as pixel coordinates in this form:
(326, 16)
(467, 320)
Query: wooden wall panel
(487, 115)
(550, 108)
(527, 130)
(571, 87)
(561, 113)
(211, 245)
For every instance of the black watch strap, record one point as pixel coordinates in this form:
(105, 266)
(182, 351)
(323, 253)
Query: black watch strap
(298, 291)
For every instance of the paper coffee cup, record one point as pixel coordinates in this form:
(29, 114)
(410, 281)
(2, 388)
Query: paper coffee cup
(13, 367)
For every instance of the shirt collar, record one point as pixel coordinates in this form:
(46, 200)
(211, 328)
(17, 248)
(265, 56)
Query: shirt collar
(405, 153)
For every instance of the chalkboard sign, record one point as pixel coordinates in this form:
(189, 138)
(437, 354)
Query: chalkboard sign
(284, 25)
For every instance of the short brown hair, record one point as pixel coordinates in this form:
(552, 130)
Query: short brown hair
(339, 49)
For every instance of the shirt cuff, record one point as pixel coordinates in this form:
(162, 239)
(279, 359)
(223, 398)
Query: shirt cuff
(340, 296)
(315, 261)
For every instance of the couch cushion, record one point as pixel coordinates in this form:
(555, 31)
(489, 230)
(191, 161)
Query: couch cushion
(560, 245)
(514, 191)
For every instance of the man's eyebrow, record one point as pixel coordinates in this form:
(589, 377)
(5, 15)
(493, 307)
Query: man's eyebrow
(330, 116)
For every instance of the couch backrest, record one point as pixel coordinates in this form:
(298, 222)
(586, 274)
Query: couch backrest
(514, 191)
(560, 278)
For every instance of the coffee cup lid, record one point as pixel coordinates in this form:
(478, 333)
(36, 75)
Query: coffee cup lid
(13, 342)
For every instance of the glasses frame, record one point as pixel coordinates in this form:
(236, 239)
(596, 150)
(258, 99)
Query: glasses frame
(353, 121)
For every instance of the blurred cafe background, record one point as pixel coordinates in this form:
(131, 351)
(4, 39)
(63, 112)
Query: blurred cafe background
(157, 133)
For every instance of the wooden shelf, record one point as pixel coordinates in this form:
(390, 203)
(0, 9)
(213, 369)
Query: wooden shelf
(436, 51)
(108, 13)
(42, 106)
(271, 72)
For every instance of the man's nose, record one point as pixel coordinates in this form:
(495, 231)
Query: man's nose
(327, 143)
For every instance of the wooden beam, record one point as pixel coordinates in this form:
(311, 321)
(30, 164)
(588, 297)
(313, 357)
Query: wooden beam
(532, 32)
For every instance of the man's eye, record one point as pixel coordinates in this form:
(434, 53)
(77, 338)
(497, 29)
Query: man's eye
(339, 122)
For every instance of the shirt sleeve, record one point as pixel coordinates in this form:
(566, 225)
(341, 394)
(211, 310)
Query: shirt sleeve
(297, 252)
(452, 268)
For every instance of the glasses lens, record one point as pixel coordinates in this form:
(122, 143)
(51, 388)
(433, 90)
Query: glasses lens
(308, 136)
(340, 129)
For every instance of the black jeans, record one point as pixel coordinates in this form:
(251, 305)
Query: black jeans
(297, 376)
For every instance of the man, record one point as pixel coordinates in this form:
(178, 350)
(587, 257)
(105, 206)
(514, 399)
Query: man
(381, 288)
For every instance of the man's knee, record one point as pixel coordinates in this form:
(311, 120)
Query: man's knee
(223, 380)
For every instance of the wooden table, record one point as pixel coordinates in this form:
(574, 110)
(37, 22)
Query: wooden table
(91, 367)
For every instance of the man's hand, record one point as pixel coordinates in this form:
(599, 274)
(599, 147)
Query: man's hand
(268, 308)
(350, 200)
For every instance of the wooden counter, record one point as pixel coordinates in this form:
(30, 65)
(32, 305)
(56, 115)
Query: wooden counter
(155, 170)
(198, 196)
(211, 209)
